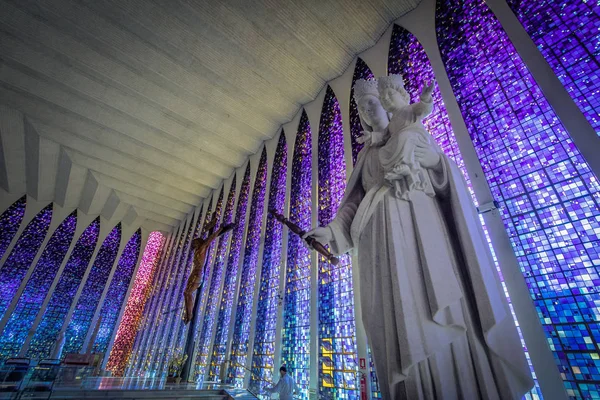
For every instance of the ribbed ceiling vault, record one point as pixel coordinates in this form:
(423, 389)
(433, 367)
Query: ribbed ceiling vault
(152, 103)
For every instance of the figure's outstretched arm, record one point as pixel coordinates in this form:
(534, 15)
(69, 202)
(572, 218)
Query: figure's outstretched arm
(424, 106)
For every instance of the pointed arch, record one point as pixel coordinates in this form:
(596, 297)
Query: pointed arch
(117, 291)
(547, 192)
(127, 333)
(336, 295)
(15, 332)
(92, 290)
(566, 33)
(10, 221)
(219, 344)
(206, 329)
(361, 71)
(266, 314)
(60, 301)
(295, 349)
(20, 258)
(241, 330)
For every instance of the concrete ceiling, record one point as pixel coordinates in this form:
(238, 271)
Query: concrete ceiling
(145, 106)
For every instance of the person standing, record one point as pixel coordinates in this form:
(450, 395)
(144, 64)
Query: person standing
(285, 387)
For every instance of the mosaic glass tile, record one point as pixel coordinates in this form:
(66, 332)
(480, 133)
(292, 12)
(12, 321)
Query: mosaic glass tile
(219, 344)
(15, 332)
(208, 321)
(361, 71)
(567, 33)
(524, 151)
(263, 358)
(54, 314)
(295, 348)
(132, 316)
(81, 319)
(20, 258)
(10, 220)
(338, 359)
(117, 291)
(241, 330)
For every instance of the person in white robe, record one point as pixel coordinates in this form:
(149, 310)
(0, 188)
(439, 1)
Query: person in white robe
(433, 308)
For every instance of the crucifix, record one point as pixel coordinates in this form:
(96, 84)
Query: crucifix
(194, 284)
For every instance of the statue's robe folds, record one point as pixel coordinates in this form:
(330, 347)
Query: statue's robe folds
(436, 316)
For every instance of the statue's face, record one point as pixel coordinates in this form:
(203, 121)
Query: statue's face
(371, 111)
(391, 99)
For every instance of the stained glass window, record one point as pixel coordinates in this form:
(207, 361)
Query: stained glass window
(206, 331)
(219, 345)
(20, 258)
(132, 316)
(241, 330)
(167, 311)
(15, 332)
(548, 194)
(117, 291)
(10, 220)
(295, 350)
(361, 71)
(140, 351)
(567, 32)
(338, 366)
(47, 332)
(408, 58)
(92, 290)
(268, 295)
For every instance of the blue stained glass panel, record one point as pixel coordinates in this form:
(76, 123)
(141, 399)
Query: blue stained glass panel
(48, 330)
(295, 349)
(263, 358)
(10, 220)
(15, 332)
(117, 291)
(547, 191)
(92, 290)
(219, 344)
(241, 330)
(20, 258)
(338, 364)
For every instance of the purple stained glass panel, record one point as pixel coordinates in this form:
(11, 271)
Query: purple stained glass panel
(219, 344)
(117, 291)
(213, 270)
(361, 71)
(263, 358)
(567, 32)
(547, 191)
(206, 332)
(295, 349)
(20, 258)
(15, 332)
(92, 290)
(10, 220)
(241, 330)
(60, 301)
(338, 364)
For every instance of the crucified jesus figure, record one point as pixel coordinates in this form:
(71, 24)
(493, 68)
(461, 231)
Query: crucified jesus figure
(200, 248)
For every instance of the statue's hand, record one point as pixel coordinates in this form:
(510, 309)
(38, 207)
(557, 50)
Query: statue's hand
(371, 138)
(427, 91)
(365, 138)
(426, 155)
(322, 235)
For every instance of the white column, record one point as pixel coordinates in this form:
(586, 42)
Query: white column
(421, 22)
(82, 223)
(58, 215)
(111, 341)
(271, 146)
(582, 133)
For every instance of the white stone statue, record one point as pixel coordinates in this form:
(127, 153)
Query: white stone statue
(435, 314)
